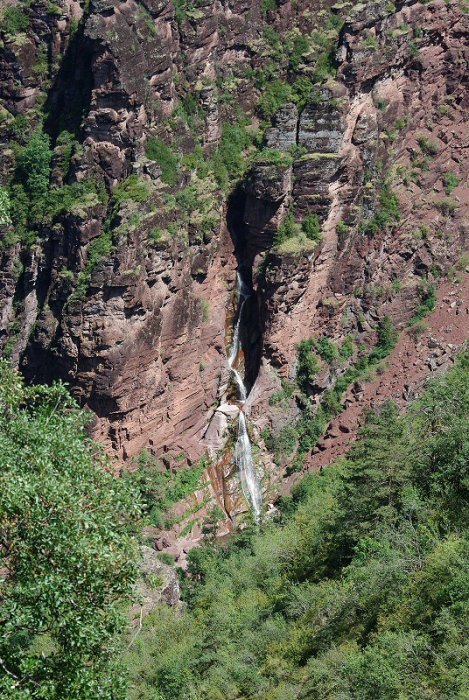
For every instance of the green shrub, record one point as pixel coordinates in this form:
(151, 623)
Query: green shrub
(289, 228)
(282, 443)
(14, 20)
(271, 155)
(311, 226)
(99, 249)
(450, 181)
(268, 6)
(162, 154)
(284, 394)
(386, 215)
(447, 206)
(326, 349)
(132, 189)
(325, 66)
(430, 148)
(342, 230)
(300, 46)
(167, 558)
(387, 339)
(308, 364)
(33, 169)
(276, 94)
(427, 304)
(347, 348)
(228, 161)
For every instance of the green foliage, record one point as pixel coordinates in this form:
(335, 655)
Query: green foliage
(387, 339)
(450, 181)
(358, 591)
(427, 304)
(162, 154)
(311, 227)
(326, 349)
(161, 488)
(325, 66)
(447, 206)
(5, 207)
(34, 165)
(282, 443)
(99, 249)
(228, 161)
(276, 94)
(386, 215)
(14, 20)
(308, 364)
(67, 555)
(132, 189)
(268, 6)
(430, 148)
(292, 237)
(289, 228)
(300, 47)
(284, 395)
(271, 155)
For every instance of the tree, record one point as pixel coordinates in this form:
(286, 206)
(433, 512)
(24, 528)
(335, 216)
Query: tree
(66, 549)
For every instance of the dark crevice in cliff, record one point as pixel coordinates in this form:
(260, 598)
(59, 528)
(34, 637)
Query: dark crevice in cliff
(69, 98)
(251, 332)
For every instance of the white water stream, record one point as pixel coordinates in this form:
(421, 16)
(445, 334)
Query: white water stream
(243, 453)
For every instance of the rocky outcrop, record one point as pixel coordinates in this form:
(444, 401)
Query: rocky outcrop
(157, 583)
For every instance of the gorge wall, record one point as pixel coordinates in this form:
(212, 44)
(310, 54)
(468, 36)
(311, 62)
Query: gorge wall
(183, 133)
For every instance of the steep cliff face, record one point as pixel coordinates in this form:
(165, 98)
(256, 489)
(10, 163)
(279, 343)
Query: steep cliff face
(185, 137)
(395, 118)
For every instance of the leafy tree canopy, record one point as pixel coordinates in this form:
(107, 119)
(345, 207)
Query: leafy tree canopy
(66, 549)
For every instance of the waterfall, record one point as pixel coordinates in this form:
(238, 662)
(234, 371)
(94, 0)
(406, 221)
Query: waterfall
(243, 453)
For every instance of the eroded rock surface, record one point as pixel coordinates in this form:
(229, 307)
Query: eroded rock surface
(141, 331)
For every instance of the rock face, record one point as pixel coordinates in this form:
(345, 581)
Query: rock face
(158, 582)
(127, 294)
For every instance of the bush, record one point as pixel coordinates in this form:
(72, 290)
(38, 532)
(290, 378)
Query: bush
(34, 165)
(282, 443)
(308, 364)
(430, 148)
(427, 304)
(311, 226)
(386, 215)
(326, 350)
(450, 181)
(268, 6)
(448, 207)
(276, 94)
(133, 189)
(14, 20)
(99, 250)
(387, 339)
(162, 154)
(229, 162)
(289, 228)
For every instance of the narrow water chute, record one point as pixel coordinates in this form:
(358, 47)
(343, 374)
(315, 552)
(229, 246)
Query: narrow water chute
(243, 452)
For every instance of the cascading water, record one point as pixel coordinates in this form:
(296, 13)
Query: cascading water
(243, 453)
